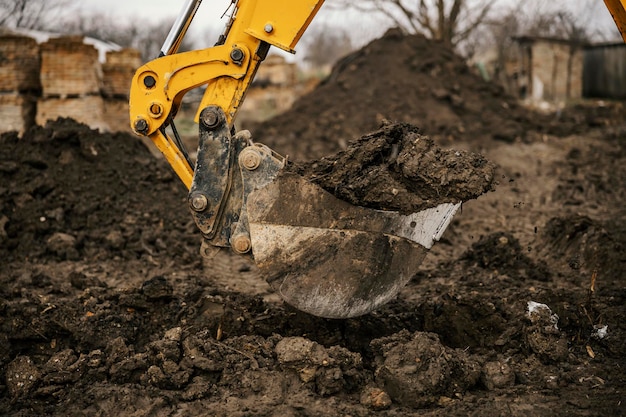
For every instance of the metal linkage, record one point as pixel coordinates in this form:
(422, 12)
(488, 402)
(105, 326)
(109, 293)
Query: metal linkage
(228, 169)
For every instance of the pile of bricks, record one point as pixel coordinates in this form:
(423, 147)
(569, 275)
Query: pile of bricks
(17, 112)
(117, 73)
(86, 109)
(19, 81)
(63, 77)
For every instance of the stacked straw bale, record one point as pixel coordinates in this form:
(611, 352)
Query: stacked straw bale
(69, 67)
(118, 71)
(19, 65)
(71, 77)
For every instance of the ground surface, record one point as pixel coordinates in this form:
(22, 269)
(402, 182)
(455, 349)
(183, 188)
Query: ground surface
(107, 309)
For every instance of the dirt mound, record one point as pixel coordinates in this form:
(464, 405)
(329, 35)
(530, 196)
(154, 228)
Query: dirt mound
(400, 78)
(412, 79)
(502, 253)
(396, 168)
(75, 193)
(586, 244)
(105, 308)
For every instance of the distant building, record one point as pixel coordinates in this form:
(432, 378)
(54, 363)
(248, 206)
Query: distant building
(604, 74)
(549, 69)
(540, 69)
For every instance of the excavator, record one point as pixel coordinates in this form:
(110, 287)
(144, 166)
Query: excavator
(322, 255)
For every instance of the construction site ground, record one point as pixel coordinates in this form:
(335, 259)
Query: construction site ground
(107, 308)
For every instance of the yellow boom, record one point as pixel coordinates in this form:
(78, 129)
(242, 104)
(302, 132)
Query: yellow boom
(618, 11)
(228, 69)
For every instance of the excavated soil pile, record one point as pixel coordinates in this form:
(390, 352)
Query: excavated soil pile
(106, 310)
(400, 78)
(61, 184)
(396, 168)
(415, 80)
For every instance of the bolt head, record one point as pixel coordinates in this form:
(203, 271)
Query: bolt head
(242, 244)
(250, 159)
(156, 109)
(141, 126)
(198, 202)
(149, 81)
(269, 28)
(236, 55)
(210, 118)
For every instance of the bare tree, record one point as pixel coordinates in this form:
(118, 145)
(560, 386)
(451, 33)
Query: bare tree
(30, 14)
(563, 19)
(147, 37)
(449, 21)
(325, 44)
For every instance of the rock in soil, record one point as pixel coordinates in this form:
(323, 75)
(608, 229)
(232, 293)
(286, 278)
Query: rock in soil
(416, 369)
(21, 376)
(497, 374)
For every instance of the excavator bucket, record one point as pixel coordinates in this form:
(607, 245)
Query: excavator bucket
(332, 259)
(321, 254)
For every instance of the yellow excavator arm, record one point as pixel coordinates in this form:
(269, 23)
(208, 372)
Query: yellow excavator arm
(227, 69)
(618, 11)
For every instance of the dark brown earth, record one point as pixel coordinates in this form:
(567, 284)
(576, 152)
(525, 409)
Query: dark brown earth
(106, 308)
(397, 168)
(414, 80)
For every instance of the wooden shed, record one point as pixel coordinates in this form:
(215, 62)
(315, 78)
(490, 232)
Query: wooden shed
(604, 74)
(550, 69)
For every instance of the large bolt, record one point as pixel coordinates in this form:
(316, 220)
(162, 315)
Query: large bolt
(156, 109)
(149, 81)
(268, 28)
(241, 244)
(236, 55)
(210, 118)
(141, 126)
(198, 202)
(250, 159)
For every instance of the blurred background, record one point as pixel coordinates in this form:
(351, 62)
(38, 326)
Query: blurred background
(547, 53)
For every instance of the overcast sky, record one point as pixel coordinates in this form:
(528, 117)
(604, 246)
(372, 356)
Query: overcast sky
(151, 9)
(208, 18)
(211, 10)
(157, 10)
(363, 29)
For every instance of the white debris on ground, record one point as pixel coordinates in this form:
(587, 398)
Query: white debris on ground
(600, 332)
(538, 310)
